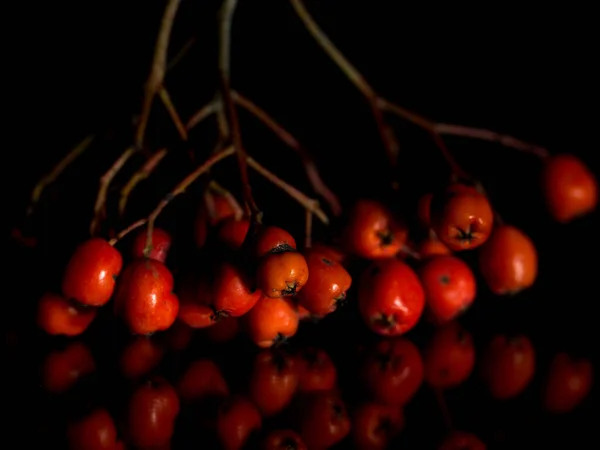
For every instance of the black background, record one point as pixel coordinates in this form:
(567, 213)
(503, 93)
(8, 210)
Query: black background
(79, 68)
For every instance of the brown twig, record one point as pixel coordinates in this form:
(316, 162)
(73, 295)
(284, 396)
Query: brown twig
(143, 173)
(310, 167)
(308, 229)
(181, 53)
(227, 12)
(380, 104)
(492, 136)
(126, 231)
(166, 99)
(179, 189)
(151, 88)
(203, 113)
(57, 171)
(308, 203)
(158, 69)
(215, 187)
(105, 180)
(182, 186)
(387, 135)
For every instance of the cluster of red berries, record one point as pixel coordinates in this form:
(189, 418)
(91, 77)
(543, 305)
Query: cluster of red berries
(278, 286)
(301, 387)
(287, 284)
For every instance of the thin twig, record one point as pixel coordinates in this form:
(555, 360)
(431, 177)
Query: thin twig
(238, 212)
(406, 114)
(158, 69)
(181, 53)
(143, 173)
(105, 180)
(492, 136)
(182, 186)
(308, 229)
(385, 132)
(57, 171)
(166, 99)
(307, 202)
(203, 113)
(126, 231)
(310, 167)
(380, 104)
(227, 12)
(457, 170)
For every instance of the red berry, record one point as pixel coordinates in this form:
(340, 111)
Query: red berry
(461, 217)
(449, 285)
(202, 379)
(570, 188)
(96, 431)
(273, 381)
(145, 297)
(393, 371)
(283, 440)
(238, 418)
(316, 370)
(232, 294)
(282, 274)
(273, 239)
(460, 440)
(153, 409)
(390, 297)
(449, 356)
(62, 369)
(375, 426)
(271, 321)
(327, 284)
(568, 383)
(508, 261)
(372, 232)
(324, 420)
(91, 272)
(58, 316)
(508, 366)
(161, 243)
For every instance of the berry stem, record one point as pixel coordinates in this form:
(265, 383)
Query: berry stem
(157, 70)
(308, 229)
(144, 172)
(217, 188)
(181, 53)
(227, 13)
(126, 231)
(457, 170)
(310, 167)
(492, 136)
(179, 189)
(309, 204)
(105, 180)
(182, 186)
(166, 99)
(151, 88)
(380, 105)
(387, 135)
(203, 113)
(50, 177)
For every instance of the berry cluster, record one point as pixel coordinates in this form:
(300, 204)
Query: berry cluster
(253, 284)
